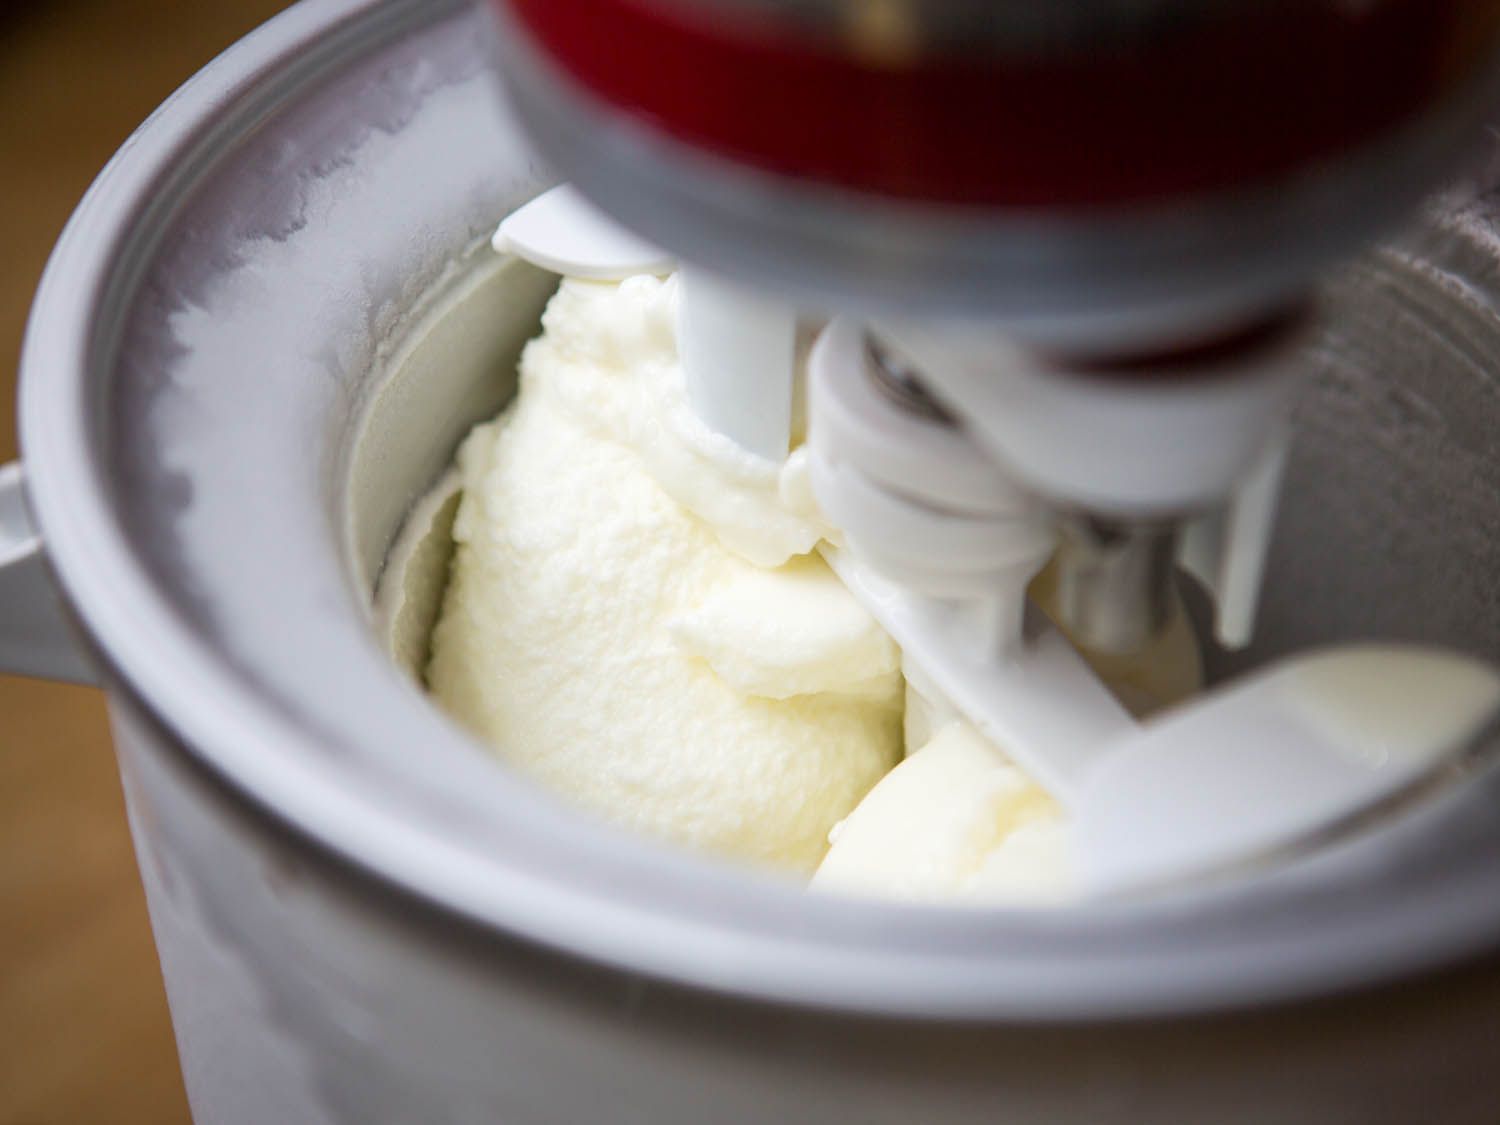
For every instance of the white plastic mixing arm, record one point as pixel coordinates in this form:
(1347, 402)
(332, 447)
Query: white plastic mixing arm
(1227, 550)
(563, 232)
(940, 545)
(1042, 706)
(738, 349)
(738, 352)
(1277, 761)
(1124, 447)
(916, 500)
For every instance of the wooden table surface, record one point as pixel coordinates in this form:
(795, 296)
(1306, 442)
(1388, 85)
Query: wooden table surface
(84, 1033)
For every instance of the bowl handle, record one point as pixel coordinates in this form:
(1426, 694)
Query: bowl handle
(36, 635)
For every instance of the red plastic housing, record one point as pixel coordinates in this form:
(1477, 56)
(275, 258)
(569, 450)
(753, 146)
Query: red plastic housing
(1248, 95)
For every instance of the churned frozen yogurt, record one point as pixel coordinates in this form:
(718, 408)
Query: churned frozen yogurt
(636, 616)
(956, 819)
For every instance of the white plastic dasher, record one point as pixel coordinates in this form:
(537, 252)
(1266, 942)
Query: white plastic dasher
(941, 540)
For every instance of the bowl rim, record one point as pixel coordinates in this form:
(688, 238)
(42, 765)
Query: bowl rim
(644, 908)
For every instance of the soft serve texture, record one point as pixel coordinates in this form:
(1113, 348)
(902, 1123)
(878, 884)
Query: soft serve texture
(635, 616)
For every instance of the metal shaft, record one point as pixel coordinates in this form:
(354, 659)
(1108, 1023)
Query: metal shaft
(1114, 580)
